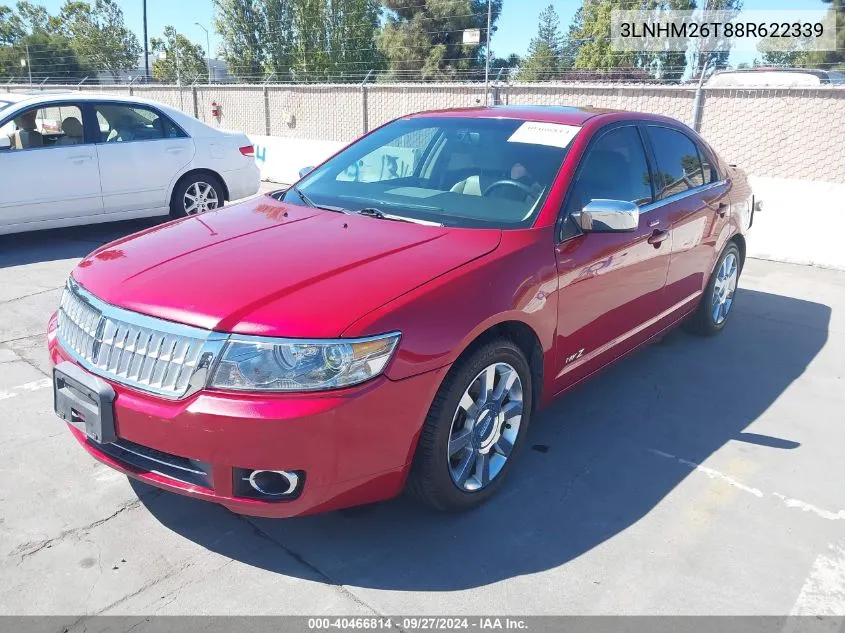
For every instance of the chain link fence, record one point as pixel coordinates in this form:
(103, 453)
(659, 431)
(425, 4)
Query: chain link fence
(793, 133)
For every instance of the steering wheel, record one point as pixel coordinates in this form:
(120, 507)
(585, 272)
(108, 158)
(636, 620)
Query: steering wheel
(509, 183)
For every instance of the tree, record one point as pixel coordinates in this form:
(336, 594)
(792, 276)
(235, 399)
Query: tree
(545, 50)
(279, 37)
(181, 59)
(781, 58)
(353, 25)
(99, 35)
(311, 53)
(425, 39)
(588, 43)
(241, 25)
(571, 42)
(26, 32)
(716, 60)
(505, 67)
(11, 26)
(34, 18)
(830, 60)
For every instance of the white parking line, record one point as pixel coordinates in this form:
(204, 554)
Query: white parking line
(787, 501)
(823, 592)
(713, 474)
(809, 507)
(35, 385)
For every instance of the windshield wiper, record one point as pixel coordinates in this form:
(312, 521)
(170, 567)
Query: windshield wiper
(308, 201)
(372, 212)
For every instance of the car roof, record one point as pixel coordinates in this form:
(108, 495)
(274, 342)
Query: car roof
(34, 98)
(567, 115)
(13, 97)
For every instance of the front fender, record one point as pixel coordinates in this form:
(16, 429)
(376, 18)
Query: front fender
(439, 320)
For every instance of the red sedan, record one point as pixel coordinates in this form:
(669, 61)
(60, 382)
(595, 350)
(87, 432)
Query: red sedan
(396, 318)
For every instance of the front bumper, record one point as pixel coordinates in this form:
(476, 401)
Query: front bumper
(354, 445)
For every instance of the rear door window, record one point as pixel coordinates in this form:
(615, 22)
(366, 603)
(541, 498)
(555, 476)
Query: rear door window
(124, 123)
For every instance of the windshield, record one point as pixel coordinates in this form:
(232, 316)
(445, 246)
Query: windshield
(452, 170)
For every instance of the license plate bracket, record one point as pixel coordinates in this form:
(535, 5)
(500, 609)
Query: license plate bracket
(85, 401)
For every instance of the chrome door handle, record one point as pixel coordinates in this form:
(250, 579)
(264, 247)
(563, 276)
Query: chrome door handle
(174, 150)
(78, 159)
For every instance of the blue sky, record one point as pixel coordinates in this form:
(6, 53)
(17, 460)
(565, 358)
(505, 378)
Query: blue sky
(517, 25)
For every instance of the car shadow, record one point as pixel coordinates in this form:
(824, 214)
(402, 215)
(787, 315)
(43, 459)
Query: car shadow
(595, 462)
(20, 249)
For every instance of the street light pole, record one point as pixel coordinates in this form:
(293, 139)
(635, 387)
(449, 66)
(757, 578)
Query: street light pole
(146, 47)
(28, 64)
(487, 61)
(207, 50)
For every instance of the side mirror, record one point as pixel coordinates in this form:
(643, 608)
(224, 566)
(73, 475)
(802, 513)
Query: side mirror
(305, 171)
(5, 143)
(609, 216)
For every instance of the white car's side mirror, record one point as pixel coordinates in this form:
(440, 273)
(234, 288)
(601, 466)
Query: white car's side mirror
(5, 143)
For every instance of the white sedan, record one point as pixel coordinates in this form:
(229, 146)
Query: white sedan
(73, 158)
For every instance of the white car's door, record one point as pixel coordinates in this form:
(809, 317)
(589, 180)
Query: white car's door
(141, 151)
(48, 171)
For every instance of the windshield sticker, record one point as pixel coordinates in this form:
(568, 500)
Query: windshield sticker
(552, 134)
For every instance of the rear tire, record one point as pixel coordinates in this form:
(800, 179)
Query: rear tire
(716, 304)
(460, 442)
(195, 194)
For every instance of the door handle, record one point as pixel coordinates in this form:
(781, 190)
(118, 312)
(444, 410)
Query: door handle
(657, 238)
(174, 150)
(78, 159)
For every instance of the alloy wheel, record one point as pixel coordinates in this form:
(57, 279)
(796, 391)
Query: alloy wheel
(725, 288)
(485, 427)
(199, 198)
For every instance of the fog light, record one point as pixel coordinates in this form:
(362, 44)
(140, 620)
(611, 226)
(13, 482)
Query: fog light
(273, 482)
(268, 484)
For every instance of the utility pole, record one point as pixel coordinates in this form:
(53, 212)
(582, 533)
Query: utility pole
(146, 47)
(487, 55)
(28, 64)
(207, 50)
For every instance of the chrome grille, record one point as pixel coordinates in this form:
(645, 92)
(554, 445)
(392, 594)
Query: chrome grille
(134, 349)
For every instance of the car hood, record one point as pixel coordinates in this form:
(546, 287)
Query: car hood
(271, 269)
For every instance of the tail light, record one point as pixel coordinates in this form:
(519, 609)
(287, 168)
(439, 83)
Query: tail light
(248, 151)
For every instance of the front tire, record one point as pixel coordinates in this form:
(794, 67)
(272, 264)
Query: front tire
(474, 428)
(196, 194)
(717, 301)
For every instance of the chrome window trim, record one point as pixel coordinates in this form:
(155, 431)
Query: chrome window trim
(652, 205)
(213, 343)
(680, 196)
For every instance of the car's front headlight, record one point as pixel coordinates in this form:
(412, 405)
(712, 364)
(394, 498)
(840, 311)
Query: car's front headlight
(257, 364)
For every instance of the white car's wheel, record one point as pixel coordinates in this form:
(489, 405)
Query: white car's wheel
(196, 194)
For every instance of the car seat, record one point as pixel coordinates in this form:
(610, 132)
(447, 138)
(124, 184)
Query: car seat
(26, 135)
(72, 129)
